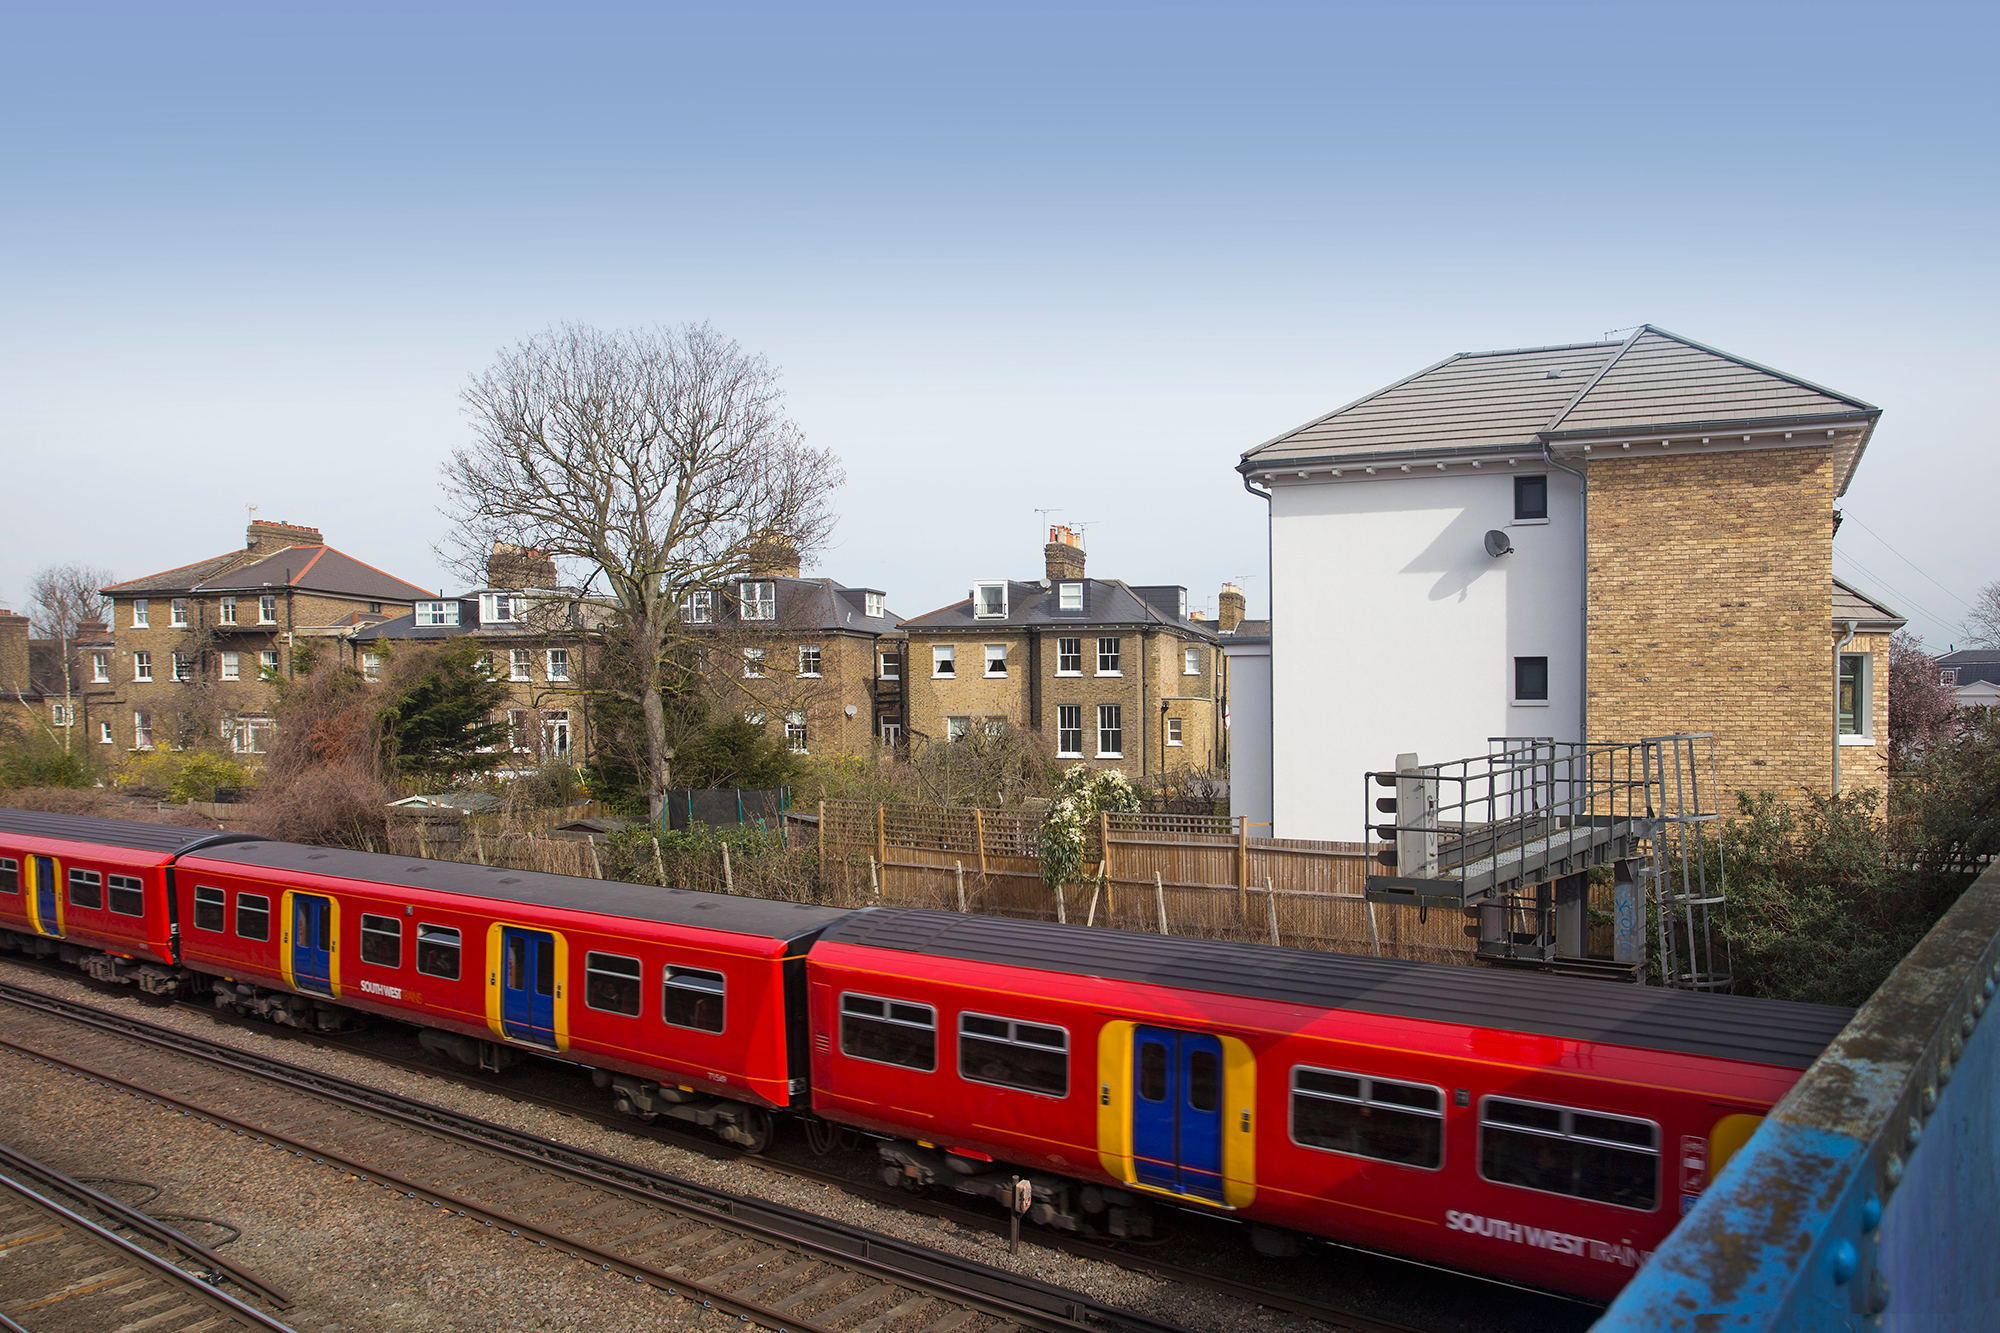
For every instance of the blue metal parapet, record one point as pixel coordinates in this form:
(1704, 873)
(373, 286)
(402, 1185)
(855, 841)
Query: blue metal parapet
(1870, 1197)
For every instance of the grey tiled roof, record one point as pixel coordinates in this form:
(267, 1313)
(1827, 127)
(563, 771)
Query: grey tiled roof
(180, 579)
(1105, 602)
(1651, 380)
(1867, 613)
(319, 569)
(1970, 657)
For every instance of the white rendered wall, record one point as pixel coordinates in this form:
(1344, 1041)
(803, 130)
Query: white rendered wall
(1250, 733)
(1393, 631)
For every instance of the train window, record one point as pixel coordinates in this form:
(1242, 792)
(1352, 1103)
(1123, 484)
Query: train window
(86, 888)
(545, 970)
(1368, 1117)
(210, 908)
(1608, 1158)
(437, 951)
(693, 998)
(253, 916)
(1005, 1051)
(1153, 1071)
(890, 1032)
(10, 875)
(611, 983)
(1204, 1088)
(381, 940)
(128, 895)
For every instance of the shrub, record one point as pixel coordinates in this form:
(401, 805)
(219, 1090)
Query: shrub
(1065, 833)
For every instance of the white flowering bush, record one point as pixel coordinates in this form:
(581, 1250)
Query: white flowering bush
(1065, 833)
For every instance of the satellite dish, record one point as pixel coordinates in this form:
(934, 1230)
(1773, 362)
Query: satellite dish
(1498, 543)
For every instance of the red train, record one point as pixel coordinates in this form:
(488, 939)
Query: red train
(1540, 1130)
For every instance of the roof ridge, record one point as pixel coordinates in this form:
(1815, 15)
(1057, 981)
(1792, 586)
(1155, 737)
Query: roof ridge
(1602, 371)
(172, 569)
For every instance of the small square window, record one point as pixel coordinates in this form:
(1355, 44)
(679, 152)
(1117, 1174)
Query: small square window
(890, 663)
(989, 599)
(944, 660)
(996, 659)
(1531, 680)
(374, 608)
(1069, 597)
(760, 601)
(956, 728)
(1173, 731)
(871, 605)
(809, 660)
(1531, 498)
(698, 607)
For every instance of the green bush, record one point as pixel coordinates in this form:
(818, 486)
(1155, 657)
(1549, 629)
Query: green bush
(37, 761)
(182, 775)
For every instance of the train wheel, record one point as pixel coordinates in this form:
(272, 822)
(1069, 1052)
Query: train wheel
(758, 1124)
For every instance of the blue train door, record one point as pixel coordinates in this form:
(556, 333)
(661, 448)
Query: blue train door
(1177, 1111)
(45, 896)
(312, 943)
(528, 985)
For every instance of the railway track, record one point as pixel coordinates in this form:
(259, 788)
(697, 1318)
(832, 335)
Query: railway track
(763, 1263)
(67, 1274)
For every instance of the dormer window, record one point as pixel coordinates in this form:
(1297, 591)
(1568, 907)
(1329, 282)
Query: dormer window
(989, 599)
(499, 608)
(871, 605)
(1181, 613)
(698, 607)
(1069, 597)
(760, 601)
(437, 613)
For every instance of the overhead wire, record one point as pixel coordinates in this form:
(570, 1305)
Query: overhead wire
(1845, 514)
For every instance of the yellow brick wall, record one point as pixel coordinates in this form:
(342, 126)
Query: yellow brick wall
(1710, 606)
(1867, 766)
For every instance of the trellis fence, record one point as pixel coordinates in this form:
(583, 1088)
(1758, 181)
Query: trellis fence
(1198, 875)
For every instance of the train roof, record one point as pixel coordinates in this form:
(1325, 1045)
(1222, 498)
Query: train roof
(133, 834)
(677, 907)
(1731, 1027)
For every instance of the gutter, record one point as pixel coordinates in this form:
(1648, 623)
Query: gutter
(1583, 609)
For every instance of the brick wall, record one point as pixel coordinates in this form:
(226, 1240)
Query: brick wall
(1710, 609)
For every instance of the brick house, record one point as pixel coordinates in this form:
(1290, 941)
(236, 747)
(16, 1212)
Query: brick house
(33, 694)
(1607, 540)
(818, 659)
(200, 646)
(535, 635)
(1114, 675)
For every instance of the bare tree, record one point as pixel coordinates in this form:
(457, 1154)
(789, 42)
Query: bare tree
(60, 598)
(1982, 626)
(658, 457)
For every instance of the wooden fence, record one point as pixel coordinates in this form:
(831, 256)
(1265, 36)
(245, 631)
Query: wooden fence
(1198, 875)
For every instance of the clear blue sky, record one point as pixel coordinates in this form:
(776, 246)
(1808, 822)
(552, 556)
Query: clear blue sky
(1008, 256)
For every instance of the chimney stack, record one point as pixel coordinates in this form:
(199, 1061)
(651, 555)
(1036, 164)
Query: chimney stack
(773, 556)
(269, 537)
(1230, 607)
(1062, 558)
(14, 654)
(516, 567)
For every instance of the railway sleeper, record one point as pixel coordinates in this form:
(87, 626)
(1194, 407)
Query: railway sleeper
(1058, 1202)
(736, 1123)
(284, 1007)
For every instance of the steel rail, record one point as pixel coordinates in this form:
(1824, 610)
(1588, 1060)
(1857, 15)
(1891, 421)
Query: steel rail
(963, 1280)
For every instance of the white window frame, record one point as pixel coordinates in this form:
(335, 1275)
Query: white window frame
(230, 665)
(225, 611)
(795, 733)
(437, 613)
(1066, 714)
(104, 736)
(251, 733)
(1864, 700)
(371, 666)
(1116, 654)
(944, 660)
(753, 664)
(100, 668)
(267, 660)
(556, 664)
(181, 666)
(985, 604)
(957, 729)
(871, 605)
(142, 665)
(1190, 661)
(1173, 731)
(809, 661)
(892, 733)
(142, 731)
(556, 736)
(995, 654)
(759, 600)
(141, 613)
(1076, 657)
(754, 718)
(177, 613)
(698, 606)
(499, 608)
(520, 736)
(1069, 597)
(1117, 711)
(267, 609)
(59, 714)
(520, 664)
(884, 657)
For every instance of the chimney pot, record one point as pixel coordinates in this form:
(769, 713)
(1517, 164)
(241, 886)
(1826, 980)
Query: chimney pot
(1063, 556)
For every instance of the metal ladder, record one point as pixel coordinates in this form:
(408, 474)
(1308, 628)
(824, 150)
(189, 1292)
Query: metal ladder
(1684, 867)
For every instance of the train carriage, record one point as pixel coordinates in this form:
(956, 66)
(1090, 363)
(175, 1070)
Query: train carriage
(95, 892)
(686, 1004)
(1528, 1127)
